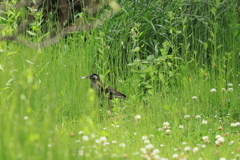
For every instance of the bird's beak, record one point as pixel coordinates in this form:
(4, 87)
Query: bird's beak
(85, 77)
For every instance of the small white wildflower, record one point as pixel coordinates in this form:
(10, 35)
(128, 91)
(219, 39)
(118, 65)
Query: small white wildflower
(85, 138)
(231, 142)
(157, 157)
(78, 141)
(25, 118)
(213, 90)
(203, 146)
(105, 143)
(81, 132)
(218, 136)
(221, 139)
(230, 84)
(186, 149)
(184, 143)
(135, 133)
(155, 151)
(195, 149)
(230, 89)
(160, 129)
(123, 145)
(222, 158)
(102, 139)
(81, 152)
(205, 139)
(175, 155)
(198, 116)
(233, 124)
(166, 125)
(194, 97)
(204, 122)
(143, 150)
(144, 137)
(114, 141)
(223, 89)
(181, 127)
(149, 146)
(146, 141)
(187, 116)
(137, 117)
(161, 145)
(168, 131)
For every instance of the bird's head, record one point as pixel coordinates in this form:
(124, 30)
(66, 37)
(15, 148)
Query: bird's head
(93, 77)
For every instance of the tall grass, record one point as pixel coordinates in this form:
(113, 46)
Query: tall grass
(160, 54)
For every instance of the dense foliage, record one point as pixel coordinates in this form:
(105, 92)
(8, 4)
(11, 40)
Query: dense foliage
(177, 61)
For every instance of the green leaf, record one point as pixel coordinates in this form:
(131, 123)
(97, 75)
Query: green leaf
(31, 33)
(150, 57)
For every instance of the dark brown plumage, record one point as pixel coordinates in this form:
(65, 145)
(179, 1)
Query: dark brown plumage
(103, 89)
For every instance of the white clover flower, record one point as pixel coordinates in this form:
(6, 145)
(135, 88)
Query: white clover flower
(203, 146)
(205, 139)
(222, 158)
(204, 122)
(149, 146)
(105, 143)
(230, 89)
(231, 142)
(85, 138)
(221, 139)
(102, 139)
(144, 137)
(168, 131)
(114, 141)
(233, 124)
(181, 127)
(166, 125)
(223, 89)
(81, 132)
(184, 143)
(230, 84)
(123, 145)
(198, 116)
(143, 150)
(186, 149)
(194, 97)
(155, 151)
(146, 141)
(195, 149)
(137, 117)
(213, 90)
(175, 155)
(187, 116)
(157, 157)
(81, 152)
(218, 136)
(25, 118)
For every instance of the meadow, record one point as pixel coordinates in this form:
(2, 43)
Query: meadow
(177, 62)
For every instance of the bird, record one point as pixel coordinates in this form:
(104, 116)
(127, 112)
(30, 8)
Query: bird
(103, 89)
